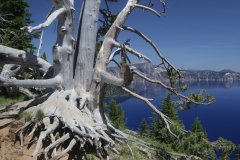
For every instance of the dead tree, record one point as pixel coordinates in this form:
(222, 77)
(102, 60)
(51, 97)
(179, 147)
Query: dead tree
(74, 107)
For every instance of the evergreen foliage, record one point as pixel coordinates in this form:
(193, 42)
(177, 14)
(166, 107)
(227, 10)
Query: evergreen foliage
(14, 15)
(44, 56)
(143, 129)
(197, 127)
(39, 115)
(26, 116)
(190, 143)
(158, 130)
(196, 143)
(237, 152)
(225, 147)
(6, 100)
(169, 108)
(116, 114)
(155, 127)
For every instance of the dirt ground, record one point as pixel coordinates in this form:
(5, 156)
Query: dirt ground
(10, 147)
(9, 150)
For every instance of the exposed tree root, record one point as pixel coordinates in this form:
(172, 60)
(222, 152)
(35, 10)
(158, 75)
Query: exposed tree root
(67, 127)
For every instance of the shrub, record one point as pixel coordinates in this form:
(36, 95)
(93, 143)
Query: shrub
(39, 114)
(26, 116)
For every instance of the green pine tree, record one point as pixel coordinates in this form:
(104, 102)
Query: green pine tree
(192, 143)
(197, 144)
(158, 129)
(14, 15)
(169, 108)
(44, 56)
(197, 126)
(225, 147)
(116, 114)
(237, 152)
(155, 127)
(143, 129)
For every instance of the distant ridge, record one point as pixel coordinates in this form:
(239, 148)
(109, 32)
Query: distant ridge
(159, 73)
(225, 78)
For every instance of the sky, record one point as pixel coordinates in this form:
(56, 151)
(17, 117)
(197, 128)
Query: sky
(194, 34)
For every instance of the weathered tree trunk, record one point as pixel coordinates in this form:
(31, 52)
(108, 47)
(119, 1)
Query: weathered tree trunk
(63, 49)
(86, 42)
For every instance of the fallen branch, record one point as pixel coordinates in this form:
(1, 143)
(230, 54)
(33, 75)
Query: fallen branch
(26, 92)
(20, 57)
(42, 83)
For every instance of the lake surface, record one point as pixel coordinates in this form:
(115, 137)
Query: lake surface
(221, 119)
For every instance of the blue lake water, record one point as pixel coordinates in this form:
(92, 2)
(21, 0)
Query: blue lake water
(221, 119)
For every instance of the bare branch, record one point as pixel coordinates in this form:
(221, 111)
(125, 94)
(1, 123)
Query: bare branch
(130, 150)
(49, 20)
(149, 9)
(40, 44)
(112, 34)
(153, 81)
(111, 79)
(50, 12)
(15, 56)
(43, 83)
(166, 120)
(173, 90)
(164, 60)
(26, 92)
(163, 5)
(10, 70)
(116, 63)
(117, 51)
(132, 51)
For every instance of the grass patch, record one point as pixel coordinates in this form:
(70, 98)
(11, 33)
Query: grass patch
(158, 144)
(6, 101)
(26, 116)
(39, 114)
(125, 153)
